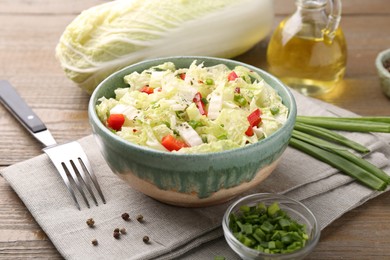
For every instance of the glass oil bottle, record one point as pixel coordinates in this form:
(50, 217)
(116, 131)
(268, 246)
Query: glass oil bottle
(308, 51)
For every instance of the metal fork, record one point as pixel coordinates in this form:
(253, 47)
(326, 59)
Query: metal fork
(69, 159)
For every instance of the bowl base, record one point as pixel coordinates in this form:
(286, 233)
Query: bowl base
(176, 198)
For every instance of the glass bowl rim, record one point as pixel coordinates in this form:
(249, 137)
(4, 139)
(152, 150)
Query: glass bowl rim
(261, 196)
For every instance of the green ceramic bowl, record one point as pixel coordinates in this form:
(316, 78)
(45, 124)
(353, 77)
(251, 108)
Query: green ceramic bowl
(384, 74)
(190, 180)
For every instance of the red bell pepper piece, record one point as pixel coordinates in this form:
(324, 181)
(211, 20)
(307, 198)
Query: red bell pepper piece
(232, 76)
(116, 121)
(199, 103)
(254, 118)
(172, 144)
(182, 76)
(249, 131)
(146, 89)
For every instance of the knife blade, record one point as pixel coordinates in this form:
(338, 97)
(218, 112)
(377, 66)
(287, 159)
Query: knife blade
(11, 99)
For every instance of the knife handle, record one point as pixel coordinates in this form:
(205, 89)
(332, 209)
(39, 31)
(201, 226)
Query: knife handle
(18, 107)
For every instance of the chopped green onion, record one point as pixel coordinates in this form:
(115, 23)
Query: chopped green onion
(247, 229)
(245, 208)
(274, 110)
(194, 124)
(267, 229)
(273, 209)
(261, 207)
(209, 82)
(259, 234)
(239, 99)
(284, 223)
(222, 137)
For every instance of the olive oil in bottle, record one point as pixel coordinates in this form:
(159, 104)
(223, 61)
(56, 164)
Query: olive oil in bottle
(304, 53)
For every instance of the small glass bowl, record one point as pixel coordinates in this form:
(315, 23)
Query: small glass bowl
(295, 209)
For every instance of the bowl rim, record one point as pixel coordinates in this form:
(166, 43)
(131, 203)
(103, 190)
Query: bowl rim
(306, 249)
(147, 150)
(379, 62)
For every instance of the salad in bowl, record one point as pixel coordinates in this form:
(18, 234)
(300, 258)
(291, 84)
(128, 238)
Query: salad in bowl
(198, 109)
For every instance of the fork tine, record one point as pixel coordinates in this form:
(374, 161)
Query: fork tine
(78, 168)
(69, 169)
(85, 162)
(64, 176)
(71, 160)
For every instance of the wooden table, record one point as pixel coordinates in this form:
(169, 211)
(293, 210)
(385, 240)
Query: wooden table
(29, 31)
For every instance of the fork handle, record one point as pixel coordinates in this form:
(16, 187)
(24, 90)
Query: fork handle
(10, 98)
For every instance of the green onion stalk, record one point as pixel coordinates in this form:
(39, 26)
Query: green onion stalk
(314, 136)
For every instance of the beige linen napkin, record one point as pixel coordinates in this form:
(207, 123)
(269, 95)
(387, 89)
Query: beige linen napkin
(186, 233)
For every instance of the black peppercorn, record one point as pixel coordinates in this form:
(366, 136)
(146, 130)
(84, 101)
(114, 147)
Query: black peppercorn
(117, 235)
(116, 230)
(140, 218)
(145, 239)
(90, 222)
(94, 242)
(126, 216)
(122, 230)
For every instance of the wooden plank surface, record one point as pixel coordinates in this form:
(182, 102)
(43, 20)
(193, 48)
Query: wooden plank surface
(29, 32)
